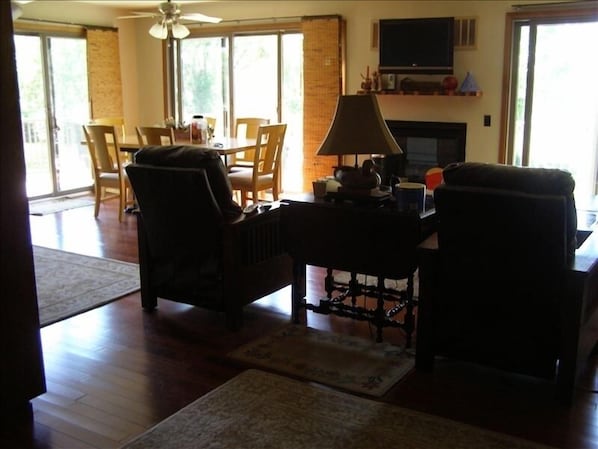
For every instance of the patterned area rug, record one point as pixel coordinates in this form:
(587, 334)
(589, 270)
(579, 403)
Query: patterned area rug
(263, 410)
(69, 284)
(351, 363)
(45, 207)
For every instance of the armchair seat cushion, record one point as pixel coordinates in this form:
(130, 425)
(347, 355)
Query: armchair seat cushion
(532, 180)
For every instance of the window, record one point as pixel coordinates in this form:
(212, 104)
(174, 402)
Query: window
(552, 119)
(52, 74)
(248, 74)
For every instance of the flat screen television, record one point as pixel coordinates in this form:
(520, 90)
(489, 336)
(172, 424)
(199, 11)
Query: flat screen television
(417, 46)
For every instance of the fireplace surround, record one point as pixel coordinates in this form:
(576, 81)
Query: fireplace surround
(425, 145)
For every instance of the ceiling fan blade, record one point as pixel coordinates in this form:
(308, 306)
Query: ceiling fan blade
(139, 15)
(198, 17)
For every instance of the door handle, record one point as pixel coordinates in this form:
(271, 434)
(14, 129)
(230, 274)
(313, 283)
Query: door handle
(55, 126)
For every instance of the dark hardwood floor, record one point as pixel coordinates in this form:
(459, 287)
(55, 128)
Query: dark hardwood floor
(115, 371)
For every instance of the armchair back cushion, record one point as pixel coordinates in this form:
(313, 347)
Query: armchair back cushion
(193, 157)
(182, 228)
(541, 181)
(502, 260)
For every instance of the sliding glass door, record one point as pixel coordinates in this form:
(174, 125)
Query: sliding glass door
(246, 75)
(52, 75)
(554, 120)
(203, 74)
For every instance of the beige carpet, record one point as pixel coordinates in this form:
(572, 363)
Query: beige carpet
(51, 206)
(266, 411)
(351, 363)
(69, 284)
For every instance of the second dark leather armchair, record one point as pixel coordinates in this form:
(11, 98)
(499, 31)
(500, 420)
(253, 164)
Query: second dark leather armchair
(195, 244)
(502, 283)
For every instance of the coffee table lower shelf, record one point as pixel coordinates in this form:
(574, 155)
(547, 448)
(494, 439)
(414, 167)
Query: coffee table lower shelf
(342, 297)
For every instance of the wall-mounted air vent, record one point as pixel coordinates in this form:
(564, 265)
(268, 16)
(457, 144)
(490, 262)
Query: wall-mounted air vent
(375, 35)
(466, 33)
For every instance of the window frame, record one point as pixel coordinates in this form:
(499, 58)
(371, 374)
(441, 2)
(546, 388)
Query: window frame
(173, 78)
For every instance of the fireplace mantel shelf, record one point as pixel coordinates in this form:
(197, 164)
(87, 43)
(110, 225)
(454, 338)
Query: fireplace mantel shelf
(423, 93)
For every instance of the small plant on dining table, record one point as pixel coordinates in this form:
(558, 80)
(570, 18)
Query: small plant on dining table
(181, 130)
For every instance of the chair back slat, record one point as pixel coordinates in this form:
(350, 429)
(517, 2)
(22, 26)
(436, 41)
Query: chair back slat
(154, 135)
(103, 144)
(117, 121)
(247, 127)
(268, 149)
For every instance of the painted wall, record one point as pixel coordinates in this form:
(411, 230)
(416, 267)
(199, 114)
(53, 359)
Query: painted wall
(142, 64)
(484, 63)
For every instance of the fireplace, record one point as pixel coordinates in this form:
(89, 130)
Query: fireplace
(425, 145)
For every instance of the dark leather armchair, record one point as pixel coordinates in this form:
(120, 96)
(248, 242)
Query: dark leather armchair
(502, 283)
(195, 244)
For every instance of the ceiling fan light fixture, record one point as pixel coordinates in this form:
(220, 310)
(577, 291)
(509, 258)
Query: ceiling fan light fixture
(169, 22)
(159, 30)
(179, 31)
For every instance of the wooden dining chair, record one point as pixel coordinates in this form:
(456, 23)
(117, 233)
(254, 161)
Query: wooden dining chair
(119, 122)
(211, 122)
(246, 127)
(265, 173)
(108, 171)
(154, 135)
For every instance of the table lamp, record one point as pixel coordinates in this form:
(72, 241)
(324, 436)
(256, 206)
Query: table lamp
(358, 128)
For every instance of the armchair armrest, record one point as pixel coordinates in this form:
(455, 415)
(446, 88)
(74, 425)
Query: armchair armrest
(252, 239)
(578, 311)
(254, 261)
(579, 315)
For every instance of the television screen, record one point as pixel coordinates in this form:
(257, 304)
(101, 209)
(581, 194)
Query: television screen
(423, 45)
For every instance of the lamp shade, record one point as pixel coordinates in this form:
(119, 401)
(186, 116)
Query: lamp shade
(358, 128)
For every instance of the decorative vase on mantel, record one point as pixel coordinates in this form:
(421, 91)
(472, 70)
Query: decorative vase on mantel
(449, 84)
(469, 85)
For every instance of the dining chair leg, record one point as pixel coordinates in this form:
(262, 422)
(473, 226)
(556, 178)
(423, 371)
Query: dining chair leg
(245, 197)
(122, 202)
(96, 210)
(237, 196)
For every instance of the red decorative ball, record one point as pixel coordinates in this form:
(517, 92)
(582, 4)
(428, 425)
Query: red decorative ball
(450, 83)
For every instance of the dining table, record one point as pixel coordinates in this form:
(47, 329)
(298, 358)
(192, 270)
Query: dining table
(225, 146)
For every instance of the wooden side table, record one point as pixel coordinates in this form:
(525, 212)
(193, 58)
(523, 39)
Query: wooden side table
(372, 239)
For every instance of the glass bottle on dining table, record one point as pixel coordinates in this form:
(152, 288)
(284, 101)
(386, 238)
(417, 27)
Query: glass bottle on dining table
(199, 129)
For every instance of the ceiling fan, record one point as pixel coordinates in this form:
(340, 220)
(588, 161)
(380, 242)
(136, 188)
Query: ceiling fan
(169, 20)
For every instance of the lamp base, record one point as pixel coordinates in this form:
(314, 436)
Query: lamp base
(356, 191)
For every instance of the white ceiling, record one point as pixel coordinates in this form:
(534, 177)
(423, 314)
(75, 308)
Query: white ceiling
(96, 12)
(131, 4)
(126, 4)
